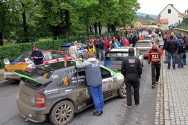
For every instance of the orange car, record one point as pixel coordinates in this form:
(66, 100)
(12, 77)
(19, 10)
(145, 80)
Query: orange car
(50, 56)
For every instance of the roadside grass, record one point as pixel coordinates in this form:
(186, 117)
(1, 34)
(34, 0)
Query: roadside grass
(1, 76)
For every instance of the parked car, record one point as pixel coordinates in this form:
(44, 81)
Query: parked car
(144, 46)
(57, 91)
(81, 48)
(50, 56)
(115, 56)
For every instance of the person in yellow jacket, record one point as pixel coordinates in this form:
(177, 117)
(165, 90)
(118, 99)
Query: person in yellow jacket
(90, 47)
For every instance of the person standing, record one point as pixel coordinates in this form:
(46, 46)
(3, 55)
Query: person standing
(37, 55)
(131, 69)
(73, 51)
(165, 48)
(181, 53)
(185, 41)
(94, 81)
(154, 58)
(171, 48)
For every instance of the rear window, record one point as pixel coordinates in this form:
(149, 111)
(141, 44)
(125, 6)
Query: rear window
(41, 72)
(116, 56)
(143, 44)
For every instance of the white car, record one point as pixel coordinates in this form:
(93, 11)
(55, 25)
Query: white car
(115, 56)
(144, 46)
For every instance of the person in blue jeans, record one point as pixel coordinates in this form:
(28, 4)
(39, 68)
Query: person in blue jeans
(181, 53)
(171, 48)
(94, 81)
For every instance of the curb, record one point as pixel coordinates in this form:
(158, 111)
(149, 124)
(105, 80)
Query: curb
(166, 102)
(4, 82)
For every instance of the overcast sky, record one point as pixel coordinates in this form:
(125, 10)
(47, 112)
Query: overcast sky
(156, 6)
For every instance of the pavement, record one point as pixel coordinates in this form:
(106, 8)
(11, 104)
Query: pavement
(172, 91)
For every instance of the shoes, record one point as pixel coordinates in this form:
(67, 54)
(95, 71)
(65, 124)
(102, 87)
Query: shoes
(138, 104)
(174, 68)
(153, 86)
(126, 106)
(101, 111)
(157, 82)
(168, 68)
(97, 113)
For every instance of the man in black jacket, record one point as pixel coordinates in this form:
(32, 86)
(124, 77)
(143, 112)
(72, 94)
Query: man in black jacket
(131, 69)
(171, 48)
(37, 55)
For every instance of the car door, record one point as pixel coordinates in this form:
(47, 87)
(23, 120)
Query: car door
(108, 85)
(73, 86)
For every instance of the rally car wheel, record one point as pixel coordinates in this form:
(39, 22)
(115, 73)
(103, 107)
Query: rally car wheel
(62, 113)
(123, 91)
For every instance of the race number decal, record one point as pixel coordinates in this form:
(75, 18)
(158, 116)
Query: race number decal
(155, 56)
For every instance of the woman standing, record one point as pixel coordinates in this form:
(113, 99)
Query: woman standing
(73, 51)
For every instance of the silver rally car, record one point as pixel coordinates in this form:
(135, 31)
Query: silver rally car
(57, 91)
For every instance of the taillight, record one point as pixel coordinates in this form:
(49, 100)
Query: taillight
(40, 100)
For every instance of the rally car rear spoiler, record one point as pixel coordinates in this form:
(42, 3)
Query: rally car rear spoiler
(32, 79)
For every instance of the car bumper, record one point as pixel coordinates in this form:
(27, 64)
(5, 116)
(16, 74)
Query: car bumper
(10, 76)
(31, 113)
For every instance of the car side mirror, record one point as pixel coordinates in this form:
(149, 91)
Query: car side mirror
(6, 61)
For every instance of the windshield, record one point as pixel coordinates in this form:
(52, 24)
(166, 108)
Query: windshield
(143, 44)
(22, 57)
(116, 55)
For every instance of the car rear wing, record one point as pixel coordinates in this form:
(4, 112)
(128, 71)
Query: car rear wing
(31, 79)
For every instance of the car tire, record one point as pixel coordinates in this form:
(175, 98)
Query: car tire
(16, 81)
(123, 91)
(62, 113)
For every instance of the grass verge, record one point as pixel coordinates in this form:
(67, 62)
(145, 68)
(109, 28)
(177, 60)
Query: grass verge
(1, 77)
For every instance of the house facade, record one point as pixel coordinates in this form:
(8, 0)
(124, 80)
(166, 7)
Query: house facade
(164, 24)
(144, 24)
(172, 14)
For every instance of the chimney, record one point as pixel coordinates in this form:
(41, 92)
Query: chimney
(172, 5)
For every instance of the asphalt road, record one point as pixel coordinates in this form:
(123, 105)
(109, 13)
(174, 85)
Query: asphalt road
(114, 112)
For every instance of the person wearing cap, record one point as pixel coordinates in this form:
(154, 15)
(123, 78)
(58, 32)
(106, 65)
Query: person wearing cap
(154, 59)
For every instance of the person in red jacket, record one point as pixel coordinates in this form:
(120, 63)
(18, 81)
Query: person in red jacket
(154, 58)
(126, 43)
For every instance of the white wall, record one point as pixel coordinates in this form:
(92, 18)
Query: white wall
(172, 17)
(164, 26)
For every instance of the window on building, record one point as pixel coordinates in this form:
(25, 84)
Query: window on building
(169, 10)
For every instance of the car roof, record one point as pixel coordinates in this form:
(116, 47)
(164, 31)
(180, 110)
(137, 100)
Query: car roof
(122, 49)
(144, 41)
